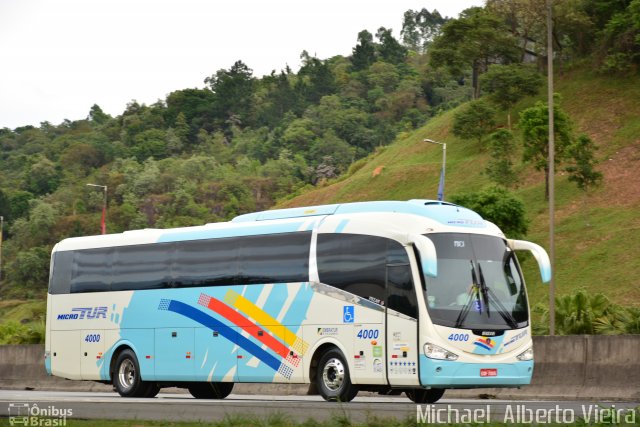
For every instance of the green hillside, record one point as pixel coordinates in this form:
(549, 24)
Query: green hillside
(597, 235)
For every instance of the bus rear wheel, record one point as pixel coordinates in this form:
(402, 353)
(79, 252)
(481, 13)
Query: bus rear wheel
(210, 390)
(334, 382)
(418, 395)
(127, 380)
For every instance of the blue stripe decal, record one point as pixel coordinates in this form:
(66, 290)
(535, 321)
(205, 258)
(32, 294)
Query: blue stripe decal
(479, 344)
(342, 225)
(227, 332)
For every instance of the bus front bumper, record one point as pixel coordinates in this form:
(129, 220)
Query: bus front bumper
(452, 374)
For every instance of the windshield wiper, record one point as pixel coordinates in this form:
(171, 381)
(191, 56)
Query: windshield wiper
(474, 290)
(484, 289)
(488, 293)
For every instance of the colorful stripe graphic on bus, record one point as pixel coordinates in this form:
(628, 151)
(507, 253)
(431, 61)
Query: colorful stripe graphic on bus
(486, 343)
(261, 317)
(228, 333)
(247, 325)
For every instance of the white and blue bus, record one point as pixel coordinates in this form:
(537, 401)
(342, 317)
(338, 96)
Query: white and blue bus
(416, 296)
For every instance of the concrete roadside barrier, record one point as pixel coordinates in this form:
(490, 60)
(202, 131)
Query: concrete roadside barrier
(594, 367)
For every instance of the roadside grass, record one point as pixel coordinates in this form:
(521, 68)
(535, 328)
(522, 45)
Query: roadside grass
(22, 322)
(22, 311)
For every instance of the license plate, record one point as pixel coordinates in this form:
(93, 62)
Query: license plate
(488, 372)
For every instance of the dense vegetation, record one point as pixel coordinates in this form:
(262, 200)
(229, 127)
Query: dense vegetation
(242, 143)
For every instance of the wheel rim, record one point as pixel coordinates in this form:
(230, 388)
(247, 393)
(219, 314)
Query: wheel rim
(127, 373)
(333, 374)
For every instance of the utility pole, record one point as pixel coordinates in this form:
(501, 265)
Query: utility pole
(552, 244)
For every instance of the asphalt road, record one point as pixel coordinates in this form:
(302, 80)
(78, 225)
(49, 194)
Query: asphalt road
(182, 407)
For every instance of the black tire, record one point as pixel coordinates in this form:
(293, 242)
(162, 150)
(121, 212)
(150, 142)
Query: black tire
(126, 376)
(333, 380)
(420, 395)
(210, 390)
(152, 390)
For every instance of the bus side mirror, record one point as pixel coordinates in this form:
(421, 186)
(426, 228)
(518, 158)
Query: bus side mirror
(538, 253)
(428, 256)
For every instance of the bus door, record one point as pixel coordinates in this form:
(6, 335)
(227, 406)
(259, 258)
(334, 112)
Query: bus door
(402, 326)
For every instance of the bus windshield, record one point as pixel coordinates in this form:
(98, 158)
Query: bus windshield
(479, 285)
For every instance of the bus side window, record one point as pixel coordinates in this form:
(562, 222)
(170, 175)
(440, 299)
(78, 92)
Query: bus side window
(354, 263)
(140, 267)
(401, 296)
(60, 282)
(274, 258)
(212, 262)
(91, 270)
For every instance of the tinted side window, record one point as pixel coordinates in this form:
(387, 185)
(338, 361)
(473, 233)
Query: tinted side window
(206, 263)
(401, 295)
(274, 258)
(142, 267)
(91, 270)
(354, 263)
(60, 282)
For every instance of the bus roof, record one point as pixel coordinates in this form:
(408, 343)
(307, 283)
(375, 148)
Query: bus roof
(442, 212)
(283, 221)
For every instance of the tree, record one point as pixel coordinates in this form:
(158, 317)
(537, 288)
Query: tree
(383, 75)
(419, 28)
(582, 168)
(97, 116)
(500, 168)
(43, 176)
(5, 206)
(390, 49)
(526, 19)
(498, 205)
(621, 38)
(534, 123)
(475, 40)
(317, 79)
(364, 53)
(474, 121)
(233, 90)
(181, 128)
(30, 268)
(150, 143)
(276, 97)
(507, 84)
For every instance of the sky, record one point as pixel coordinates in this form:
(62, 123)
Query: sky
(60, 57)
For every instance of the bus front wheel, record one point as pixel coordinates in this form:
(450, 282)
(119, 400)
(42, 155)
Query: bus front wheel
(210, 390)
(127, 380)
(334, 382)
(431, 395)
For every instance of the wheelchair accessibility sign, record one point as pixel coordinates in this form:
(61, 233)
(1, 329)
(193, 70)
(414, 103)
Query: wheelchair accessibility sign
(348, 314)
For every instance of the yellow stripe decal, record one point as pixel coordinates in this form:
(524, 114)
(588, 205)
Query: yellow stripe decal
(263, 319)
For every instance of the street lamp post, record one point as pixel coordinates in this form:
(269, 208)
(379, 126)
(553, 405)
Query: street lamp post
(444, 166)
(551, 183)
(103, 222)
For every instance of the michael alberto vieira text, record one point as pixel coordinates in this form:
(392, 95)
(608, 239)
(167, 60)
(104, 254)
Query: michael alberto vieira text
(431, 414)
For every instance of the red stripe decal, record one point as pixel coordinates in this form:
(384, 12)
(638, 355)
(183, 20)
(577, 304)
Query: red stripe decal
(247, 325)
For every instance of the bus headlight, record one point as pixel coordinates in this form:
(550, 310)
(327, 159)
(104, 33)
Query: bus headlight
(433, 351)
(526, 355)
